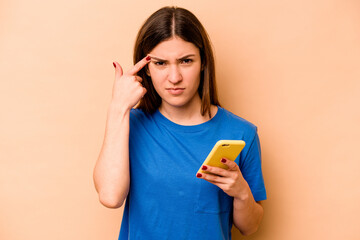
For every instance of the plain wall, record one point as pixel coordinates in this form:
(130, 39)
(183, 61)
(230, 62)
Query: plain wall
(290, 67)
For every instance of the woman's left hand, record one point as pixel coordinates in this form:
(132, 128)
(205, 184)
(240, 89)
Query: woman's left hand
(230, 180)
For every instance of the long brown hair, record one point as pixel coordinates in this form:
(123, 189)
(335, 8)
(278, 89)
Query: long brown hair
(162, 25)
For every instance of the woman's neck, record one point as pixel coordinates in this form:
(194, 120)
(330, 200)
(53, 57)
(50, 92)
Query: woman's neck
(186, 115)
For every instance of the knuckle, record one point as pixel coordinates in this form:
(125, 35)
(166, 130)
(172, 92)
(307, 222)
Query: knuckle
(215, 178)
(234, 177)
(208, 177)
(139, 88)
(126, 77)
(214, 170)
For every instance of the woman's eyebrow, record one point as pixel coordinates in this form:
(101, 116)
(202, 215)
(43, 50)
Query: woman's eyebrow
(186, 56)
(162, 60)
(158, 59)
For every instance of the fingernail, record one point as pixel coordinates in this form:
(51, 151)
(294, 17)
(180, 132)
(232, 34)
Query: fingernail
(148, 58)
(114, 65)
(204, 167)
(223, 160)
(199, 175)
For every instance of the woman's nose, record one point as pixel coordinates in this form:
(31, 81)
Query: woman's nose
(174, 75)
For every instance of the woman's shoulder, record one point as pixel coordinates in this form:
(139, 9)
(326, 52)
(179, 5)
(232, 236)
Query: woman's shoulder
(236, 120)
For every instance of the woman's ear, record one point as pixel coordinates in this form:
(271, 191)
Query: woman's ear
(147, 71)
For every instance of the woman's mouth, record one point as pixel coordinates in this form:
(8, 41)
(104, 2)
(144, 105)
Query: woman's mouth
(175, 91)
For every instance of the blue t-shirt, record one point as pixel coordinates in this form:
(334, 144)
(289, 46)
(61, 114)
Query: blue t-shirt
(166, 200)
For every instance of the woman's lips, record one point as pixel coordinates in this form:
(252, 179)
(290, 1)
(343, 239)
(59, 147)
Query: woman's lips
(175, 91)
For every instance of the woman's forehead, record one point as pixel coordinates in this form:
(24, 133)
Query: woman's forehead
(174, 48)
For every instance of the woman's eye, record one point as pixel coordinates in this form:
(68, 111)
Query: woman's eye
(186, 61)
(160, 63)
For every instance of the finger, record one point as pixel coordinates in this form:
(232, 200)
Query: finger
(137, 78)
(139, 65)
(220, 185)
(144, 92)
(211, 178)
(216, 170)
(118, 70)
(218, 181)
(231, 164)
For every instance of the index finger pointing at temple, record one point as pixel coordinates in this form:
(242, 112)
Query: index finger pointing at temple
(139, 65)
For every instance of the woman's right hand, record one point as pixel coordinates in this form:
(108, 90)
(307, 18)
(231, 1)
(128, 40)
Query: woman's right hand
(127, 89)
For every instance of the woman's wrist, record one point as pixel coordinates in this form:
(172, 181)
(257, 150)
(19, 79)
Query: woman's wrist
(117, 110)
(243, 197)
(116, 116)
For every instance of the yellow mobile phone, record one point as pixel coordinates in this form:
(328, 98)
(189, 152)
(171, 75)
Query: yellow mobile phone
(228, 149)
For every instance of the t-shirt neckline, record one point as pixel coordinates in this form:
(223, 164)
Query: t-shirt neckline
(188, 128)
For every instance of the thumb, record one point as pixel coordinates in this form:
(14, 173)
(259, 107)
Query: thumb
(118, 70)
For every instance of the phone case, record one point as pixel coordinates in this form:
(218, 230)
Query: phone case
(228, 149)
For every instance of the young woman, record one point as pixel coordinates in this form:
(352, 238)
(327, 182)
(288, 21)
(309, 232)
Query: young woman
(151, 152)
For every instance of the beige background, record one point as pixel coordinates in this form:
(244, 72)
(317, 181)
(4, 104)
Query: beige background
(290, 67)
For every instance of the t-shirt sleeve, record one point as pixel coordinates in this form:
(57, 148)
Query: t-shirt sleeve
(250, 166)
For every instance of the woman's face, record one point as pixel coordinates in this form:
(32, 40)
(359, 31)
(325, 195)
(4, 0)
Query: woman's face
(175, 72)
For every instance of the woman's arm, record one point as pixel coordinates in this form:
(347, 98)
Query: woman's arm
(247, 214)
(111, 172)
